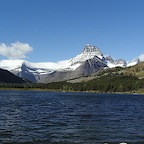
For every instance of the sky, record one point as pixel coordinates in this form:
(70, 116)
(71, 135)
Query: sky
(55, 30)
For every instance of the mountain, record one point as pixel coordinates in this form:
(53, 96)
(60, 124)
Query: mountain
(133, 62)
(136, 61)
(141, 57)
(90, 61)
(86, 68)
(111, 63)
(7, 77)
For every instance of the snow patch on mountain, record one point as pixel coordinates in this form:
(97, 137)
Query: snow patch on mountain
(11, 64)
(136, 61)
(133, 62)
(49, 67)
(141, 57)
(37, 68)
(111, 63)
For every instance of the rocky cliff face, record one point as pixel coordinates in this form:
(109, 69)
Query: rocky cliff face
(92, 51)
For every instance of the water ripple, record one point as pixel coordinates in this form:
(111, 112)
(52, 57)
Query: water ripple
(28, 117)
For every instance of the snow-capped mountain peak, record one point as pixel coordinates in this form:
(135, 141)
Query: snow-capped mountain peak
(92, 51)
(88, 52)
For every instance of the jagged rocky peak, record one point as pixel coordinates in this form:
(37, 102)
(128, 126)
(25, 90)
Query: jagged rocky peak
(89, 49)
(88, 52)
(120, 62)
(109, 58)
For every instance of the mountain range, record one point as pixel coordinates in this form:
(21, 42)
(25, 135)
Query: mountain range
(90, 61)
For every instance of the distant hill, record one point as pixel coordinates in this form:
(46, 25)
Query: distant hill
(7, 77)
(137, 71)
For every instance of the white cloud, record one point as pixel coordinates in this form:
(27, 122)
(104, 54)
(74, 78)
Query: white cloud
(15, 50)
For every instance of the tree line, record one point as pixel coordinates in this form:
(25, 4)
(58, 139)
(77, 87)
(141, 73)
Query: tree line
(107, 83)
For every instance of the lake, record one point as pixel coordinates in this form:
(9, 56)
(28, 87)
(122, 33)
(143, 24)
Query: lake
(33, 117)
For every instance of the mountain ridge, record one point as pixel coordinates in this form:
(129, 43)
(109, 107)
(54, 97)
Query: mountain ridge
(90, 61)
(7, 77)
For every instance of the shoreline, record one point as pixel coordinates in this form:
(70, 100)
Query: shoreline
(52, 90)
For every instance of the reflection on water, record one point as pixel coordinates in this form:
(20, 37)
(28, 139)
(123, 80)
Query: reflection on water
(79, 118)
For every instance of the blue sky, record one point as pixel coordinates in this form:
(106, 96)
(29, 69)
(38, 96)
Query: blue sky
(59, 29)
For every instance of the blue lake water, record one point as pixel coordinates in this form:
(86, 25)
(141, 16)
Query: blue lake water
(31, 117)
